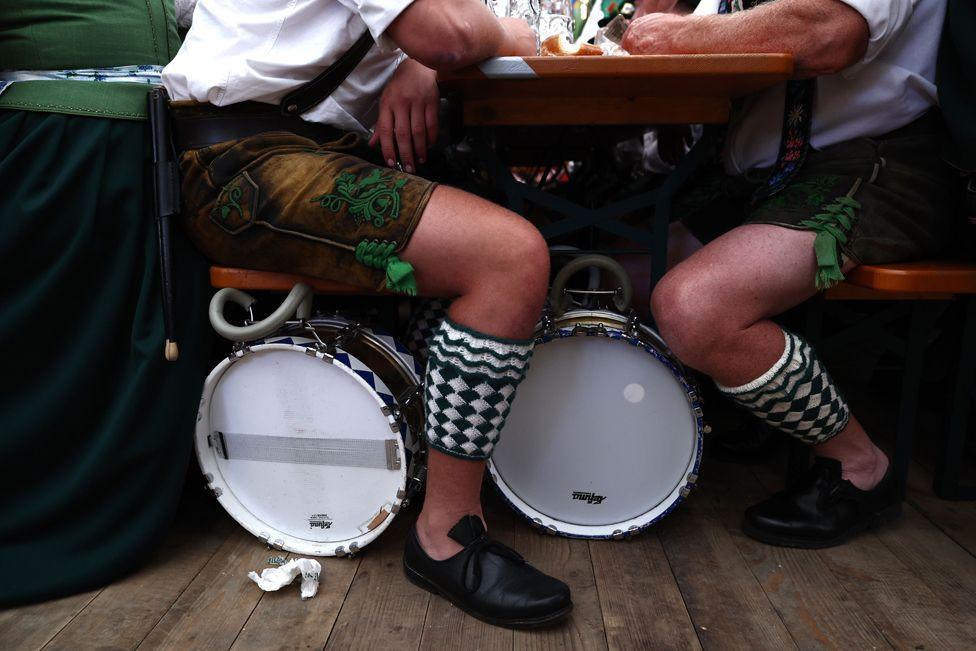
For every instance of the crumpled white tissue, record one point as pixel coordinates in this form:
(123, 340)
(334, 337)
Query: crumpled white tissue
(275, 578)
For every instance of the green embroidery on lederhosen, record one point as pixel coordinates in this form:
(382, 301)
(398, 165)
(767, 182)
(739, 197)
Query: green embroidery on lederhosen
(232, 198)
(236, 205)
(811, 192)
(374, 198)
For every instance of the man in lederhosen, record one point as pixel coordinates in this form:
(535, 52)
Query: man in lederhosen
(264, 188)
(818, 177)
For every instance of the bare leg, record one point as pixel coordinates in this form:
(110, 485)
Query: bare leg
(714, 311)
(497, 265)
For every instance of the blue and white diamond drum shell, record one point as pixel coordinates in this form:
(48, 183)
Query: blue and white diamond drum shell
(302, 443)
(604, 438)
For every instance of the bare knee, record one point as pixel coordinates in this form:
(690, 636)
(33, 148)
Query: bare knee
(686, 317)
(523, 260)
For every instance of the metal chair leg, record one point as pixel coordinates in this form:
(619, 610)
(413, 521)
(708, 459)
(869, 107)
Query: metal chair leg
(950, 463)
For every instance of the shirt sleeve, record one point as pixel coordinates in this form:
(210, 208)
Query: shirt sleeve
(886, 19)
(378, 14)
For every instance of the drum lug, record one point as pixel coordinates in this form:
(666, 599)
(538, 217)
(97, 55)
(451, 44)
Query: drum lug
(266, 539)
(353, 549)
(632, 330)
(685, 491)
(547, 322)
(632, 530)
(278, 544)
(551, 530)
(340, 551)
(617, 534)
(238, 350)
(692, 478)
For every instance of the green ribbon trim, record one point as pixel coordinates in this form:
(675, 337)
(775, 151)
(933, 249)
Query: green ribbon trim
(832, 227)
(379, 255)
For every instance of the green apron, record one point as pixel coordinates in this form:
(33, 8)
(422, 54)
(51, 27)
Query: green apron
(95, 427)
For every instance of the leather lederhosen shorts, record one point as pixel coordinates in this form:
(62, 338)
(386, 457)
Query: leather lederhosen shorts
(278, 201)
(903, 194)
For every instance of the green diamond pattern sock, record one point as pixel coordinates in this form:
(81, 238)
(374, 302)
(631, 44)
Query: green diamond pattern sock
(796, 396)
(469, 388)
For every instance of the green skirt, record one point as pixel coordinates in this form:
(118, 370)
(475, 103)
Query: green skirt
(95, 426)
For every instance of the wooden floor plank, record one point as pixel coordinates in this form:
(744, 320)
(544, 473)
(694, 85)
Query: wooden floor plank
(900, 604)
(727, 605)
(282, 620)
(641, 603)
(568, 560)
(123, 613)
(31, 627)
(447, 627)
(382, 610)
(213, 608)
(945, 567)
(814, 607)
(957, 519)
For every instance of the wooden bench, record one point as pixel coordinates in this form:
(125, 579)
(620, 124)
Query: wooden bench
(923, 283)
(270, 281)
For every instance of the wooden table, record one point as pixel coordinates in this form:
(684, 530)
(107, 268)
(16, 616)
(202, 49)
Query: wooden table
(599, 91)
(660, 89)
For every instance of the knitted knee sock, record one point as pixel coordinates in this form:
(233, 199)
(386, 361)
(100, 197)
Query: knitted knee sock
(469, 387)
(796, 395)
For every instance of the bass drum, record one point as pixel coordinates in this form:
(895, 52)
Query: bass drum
(605, 437)
(306, 436)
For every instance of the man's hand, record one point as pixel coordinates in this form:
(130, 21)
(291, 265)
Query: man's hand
(408, 115)
(652, 34)
(520, 39)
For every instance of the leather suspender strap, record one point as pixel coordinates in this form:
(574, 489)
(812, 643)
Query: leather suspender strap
(308, 95)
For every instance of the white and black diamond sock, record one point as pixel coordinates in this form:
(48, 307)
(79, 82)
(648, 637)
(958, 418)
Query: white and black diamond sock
(796, 395)
(469, 387)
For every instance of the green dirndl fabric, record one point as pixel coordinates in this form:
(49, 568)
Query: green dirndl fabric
(95, 426)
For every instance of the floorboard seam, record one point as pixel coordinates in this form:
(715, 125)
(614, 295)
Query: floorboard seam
(183, 589)
(599, 597)
(745, 563)
(345, 597)
(71, 619)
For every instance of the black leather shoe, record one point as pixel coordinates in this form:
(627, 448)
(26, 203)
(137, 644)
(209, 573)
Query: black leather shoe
(822, 509)
(488, 580)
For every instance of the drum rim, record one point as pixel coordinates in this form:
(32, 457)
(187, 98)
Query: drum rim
(235, 507)
(678, 495)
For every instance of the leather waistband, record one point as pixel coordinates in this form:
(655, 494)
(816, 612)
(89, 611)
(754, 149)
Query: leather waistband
(197, 125)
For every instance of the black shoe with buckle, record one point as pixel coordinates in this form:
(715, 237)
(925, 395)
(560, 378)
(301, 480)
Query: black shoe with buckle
(488, 580)
(822, 509)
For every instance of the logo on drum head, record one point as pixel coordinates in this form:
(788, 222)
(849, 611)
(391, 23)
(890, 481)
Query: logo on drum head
(589, 498)
(319, 521)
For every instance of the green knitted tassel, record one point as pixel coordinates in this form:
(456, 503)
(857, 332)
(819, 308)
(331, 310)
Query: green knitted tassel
(828, 263)
(831, 227)
(379, 255)
(399, 276)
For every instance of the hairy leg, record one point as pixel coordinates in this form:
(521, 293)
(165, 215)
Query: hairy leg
(497, 266)
(714, 311)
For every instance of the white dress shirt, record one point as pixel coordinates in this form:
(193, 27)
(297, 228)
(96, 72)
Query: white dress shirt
(259, 50)
(892, 86)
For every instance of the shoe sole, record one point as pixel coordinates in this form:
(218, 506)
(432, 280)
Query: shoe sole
(533, 622)
(882, 517)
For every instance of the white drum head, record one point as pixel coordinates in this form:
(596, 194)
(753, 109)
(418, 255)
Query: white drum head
(300, 451)
(603, 439)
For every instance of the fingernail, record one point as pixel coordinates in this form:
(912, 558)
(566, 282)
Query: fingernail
(409, 169)
(390, 162)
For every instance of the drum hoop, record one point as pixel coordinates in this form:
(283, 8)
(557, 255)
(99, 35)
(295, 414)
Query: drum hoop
(239, 511)
(560, 330)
